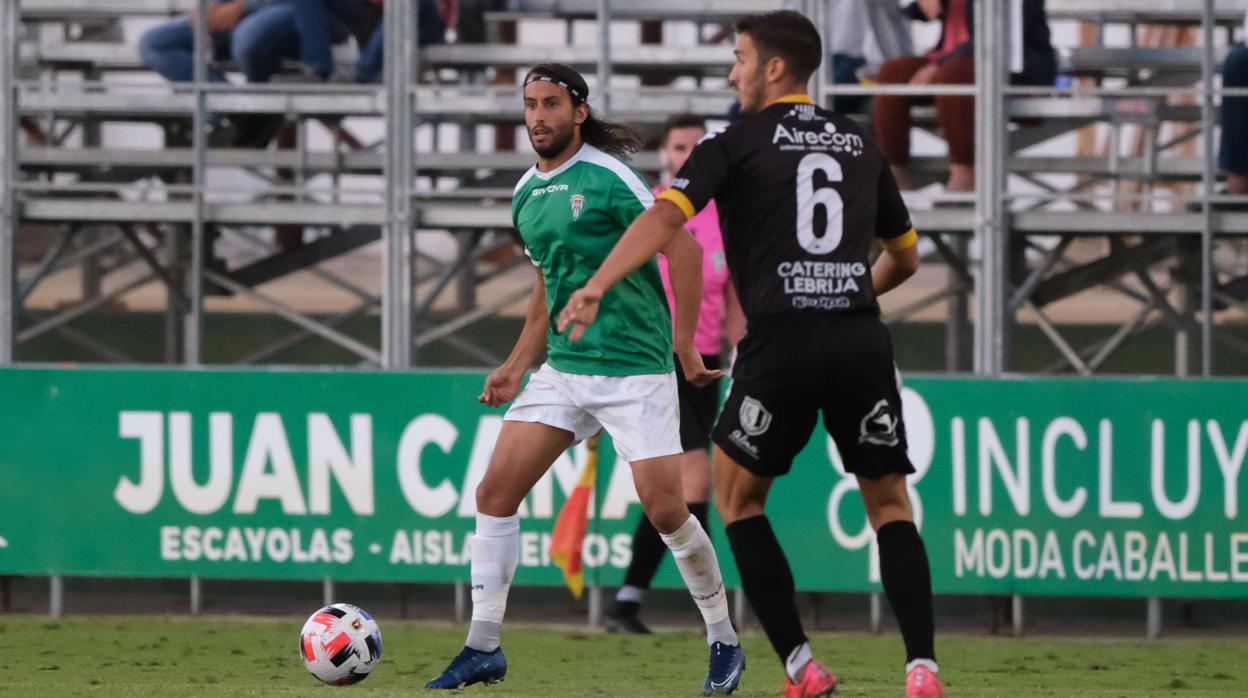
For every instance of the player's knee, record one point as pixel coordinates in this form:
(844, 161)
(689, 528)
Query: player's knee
(887, 507)
(666, 514)
(494, 500)
(733, 508)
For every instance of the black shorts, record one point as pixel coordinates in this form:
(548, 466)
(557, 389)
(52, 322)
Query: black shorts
(697, 407)
(788, 372)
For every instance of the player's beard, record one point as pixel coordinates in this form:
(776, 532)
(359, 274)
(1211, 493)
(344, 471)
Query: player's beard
(559, 140)
(752, 95)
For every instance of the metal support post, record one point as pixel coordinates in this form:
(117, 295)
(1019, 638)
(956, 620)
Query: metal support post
(877, 612)
(56, 596)
(397, 258)
(957, 323)
(1153, 621)
(604, 56)
(595, 606)
(461, 602)
(327, 591)
(991, 53)
(197, 596)
(8, 172)
(1207, 182)
(175, 328)
(466, 279)
(740, 608)
(1016, 613)
(193, 321)
(817, 12)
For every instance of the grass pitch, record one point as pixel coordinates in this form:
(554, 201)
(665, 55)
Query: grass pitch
(163, 656)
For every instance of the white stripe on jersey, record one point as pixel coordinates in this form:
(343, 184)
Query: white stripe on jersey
(593, 156)
(524, 178)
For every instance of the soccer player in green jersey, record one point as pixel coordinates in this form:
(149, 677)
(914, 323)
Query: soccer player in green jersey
(570, 209)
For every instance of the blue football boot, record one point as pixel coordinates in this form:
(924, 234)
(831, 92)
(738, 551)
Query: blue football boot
(472, 666)
(727, 663)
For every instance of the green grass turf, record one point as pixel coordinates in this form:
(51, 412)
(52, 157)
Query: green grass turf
(160, 656)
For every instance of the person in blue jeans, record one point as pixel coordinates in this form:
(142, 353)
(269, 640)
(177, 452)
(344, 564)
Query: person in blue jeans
(1233, 157)
(322, 23)
(256, 34)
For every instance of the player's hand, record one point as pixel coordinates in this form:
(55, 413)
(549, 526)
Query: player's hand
(501, 386)
(931, 8)
(580, 312)
(696, 372)
(222, 16)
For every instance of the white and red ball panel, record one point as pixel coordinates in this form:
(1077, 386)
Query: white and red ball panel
(340, 644)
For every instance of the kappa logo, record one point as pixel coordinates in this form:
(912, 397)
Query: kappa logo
(879, 427)
(578, 203)
(755, 419)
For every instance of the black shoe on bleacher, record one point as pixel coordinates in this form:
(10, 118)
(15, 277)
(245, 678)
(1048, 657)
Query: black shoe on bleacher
(255, 130)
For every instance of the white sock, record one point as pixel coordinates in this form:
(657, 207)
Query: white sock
(797, 660)
(631, 594)
(925, 663)
(495, 554)
(696, 560)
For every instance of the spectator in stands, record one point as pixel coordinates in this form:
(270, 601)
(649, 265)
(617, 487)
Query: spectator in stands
(952, 62)
(858, 35)
(432, 20)
(322, 23)
(256, 34)
(1233, 157)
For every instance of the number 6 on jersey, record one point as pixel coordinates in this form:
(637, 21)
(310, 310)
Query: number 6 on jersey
(808, 198)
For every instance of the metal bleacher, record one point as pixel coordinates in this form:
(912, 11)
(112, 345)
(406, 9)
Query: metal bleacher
(401, 167)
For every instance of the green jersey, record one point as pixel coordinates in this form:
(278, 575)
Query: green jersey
(569, 220)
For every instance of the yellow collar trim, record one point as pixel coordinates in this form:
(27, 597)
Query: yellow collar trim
(795, 98)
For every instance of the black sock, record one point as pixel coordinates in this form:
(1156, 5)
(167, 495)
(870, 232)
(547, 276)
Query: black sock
(624, 609)
(700, 511)
(768, 582)
(907, 582)
(648, 552)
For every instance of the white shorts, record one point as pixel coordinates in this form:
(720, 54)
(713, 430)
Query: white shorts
(641, 413)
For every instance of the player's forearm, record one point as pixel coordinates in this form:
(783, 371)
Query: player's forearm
(684, 269)
(532, 341)
(893, 268)
(651, 232)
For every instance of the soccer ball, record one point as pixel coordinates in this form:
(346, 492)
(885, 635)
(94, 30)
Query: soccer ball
(340, 644)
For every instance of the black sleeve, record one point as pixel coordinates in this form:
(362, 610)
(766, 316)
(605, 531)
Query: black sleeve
(892, 218)
(703, 175)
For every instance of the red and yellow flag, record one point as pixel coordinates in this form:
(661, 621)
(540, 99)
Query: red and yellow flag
(569, 536)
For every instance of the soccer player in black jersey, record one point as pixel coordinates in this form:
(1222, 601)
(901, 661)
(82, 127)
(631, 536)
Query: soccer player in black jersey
(804, 196)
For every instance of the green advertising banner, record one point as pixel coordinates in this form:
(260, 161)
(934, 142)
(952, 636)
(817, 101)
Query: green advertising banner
(1046, 487)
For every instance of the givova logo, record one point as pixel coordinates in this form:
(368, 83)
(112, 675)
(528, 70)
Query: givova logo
(549, 189)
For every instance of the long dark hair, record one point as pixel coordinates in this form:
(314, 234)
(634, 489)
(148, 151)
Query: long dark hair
(610, 136)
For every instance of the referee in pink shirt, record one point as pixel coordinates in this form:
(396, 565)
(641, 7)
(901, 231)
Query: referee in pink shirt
(719, 318)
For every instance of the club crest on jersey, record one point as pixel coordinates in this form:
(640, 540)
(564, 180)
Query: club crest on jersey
(578, 203)
(879, 427)
(755, 419)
